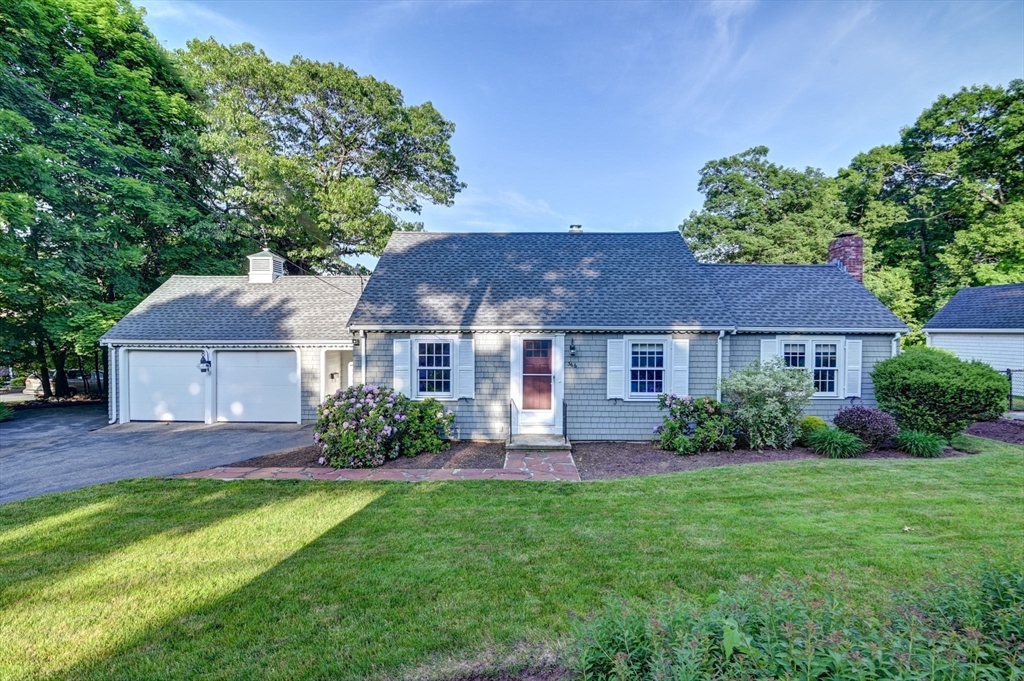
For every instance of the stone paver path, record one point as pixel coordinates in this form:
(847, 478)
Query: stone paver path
(518, 466)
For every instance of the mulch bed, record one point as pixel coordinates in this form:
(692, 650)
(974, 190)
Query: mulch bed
(1003, 430)
(467, 454)
(607, 460)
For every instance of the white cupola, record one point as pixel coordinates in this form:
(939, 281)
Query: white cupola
(265, 267)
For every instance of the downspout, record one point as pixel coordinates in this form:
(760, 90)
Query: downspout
(896, 344)
(718, 382)
(362, 355)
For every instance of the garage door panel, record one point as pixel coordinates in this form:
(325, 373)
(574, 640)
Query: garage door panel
(257, 386)
(165, 386)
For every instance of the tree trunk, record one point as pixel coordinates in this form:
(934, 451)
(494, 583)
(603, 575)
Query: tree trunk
(44, 370)
(96, 369)
(84, 375)
(105, 384)
(60, 379)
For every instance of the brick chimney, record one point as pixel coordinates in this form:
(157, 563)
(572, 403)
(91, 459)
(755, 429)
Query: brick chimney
(847, 251)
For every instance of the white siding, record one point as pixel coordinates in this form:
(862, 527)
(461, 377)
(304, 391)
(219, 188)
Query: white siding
(1001, 351)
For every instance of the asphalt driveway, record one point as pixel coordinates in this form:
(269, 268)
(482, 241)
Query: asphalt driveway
(49, 450)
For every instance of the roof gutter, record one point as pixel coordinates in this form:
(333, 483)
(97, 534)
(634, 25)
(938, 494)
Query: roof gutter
(928, 330)
(540, 327)
(189, 341)
(790, 329)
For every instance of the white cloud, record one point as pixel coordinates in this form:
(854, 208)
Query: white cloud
(181, 20)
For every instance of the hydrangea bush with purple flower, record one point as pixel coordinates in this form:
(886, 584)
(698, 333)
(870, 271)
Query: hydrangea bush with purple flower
(366, 425)
(872, 426)
(694, 425)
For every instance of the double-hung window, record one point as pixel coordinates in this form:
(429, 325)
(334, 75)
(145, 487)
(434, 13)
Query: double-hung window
(820, 358)
(646, 369)
(433, 368)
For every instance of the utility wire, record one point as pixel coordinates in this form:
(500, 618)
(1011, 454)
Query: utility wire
(77, 119)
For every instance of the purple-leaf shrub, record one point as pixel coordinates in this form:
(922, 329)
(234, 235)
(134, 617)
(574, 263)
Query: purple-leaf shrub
(361, 427)
(873, 426)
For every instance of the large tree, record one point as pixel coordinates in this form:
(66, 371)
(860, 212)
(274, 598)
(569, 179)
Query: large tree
(945, 206)
(101, 176)
(758, 211)
(313, 159)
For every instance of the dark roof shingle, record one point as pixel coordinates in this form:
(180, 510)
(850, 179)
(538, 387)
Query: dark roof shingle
(538, 280)
(982, 307)
(197, 308)
(798, 297)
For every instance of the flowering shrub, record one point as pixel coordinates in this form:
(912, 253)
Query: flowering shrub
(766, 400)
(695, 425)
(361, 427)
(872, 426)
(426, 422)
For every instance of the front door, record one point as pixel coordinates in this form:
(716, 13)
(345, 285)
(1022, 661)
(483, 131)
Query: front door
(539, 385)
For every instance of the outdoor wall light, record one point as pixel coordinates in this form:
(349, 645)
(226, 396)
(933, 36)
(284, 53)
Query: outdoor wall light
(204, 363)
(572, 347)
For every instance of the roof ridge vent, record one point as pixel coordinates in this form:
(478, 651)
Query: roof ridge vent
(575, 229)
(265, 267)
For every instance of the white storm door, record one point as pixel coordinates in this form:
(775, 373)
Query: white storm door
(257, 385)
(539, 369)
(166, 385)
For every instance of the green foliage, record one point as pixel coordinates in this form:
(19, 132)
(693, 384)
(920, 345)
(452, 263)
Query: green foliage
(920, 443)
(6, 412)
(695, 425)
(766, 400)
(314, 158)
(931, 390)
(425, 424)
(808, 425)
(757, 211)
(969, 626)
(18, 382)
(836, 444)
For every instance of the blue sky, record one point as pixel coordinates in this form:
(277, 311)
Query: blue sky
(603, 113)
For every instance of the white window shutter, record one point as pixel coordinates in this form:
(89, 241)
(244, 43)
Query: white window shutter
(769, 349)
(680, 366)
(854, 350)
(516, 355)
(467, 369)
(403, 366)
(616, 369)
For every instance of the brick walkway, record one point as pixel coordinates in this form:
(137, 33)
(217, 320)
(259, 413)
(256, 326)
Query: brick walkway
(518, 466)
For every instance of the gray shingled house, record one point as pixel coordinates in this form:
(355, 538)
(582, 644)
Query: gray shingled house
(984, 323)
(578, 333)
(540, 333)
(263, 347)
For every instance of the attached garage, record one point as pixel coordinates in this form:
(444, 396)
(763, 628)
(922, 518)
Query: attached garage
(272, 345)
(165, 386)
(257, 386)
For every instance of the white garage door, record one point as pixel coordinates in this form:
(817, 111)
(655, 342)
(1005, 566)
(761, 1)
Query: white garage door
(165, 386)
(257, 386)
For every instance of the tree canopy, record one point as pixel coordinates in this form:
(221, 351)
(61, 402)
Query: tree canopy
(941, 209)
(313, 159)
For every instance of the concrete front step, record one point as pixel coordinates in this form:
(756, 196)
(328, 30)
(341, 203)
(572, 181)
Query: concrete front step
(538, 443)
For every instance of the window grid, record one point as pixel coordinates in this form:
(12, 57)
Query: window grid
(794, 355)
(647, 368)
(434, 364)
(826, 362)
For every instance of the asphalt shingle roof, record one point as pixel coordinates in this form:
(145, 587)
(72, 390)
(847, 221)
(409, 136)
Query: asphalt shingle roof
(798, 297)
(538, 280)
(982, 307)
(198, 308)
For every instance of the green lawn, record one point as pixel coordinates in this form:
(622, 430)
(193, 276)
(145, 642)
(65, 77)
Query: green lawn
(255, 579)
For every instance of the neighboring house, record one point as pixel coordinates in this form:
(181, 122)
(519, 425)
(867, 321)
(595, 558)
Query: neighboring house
(533, 333)
(984, 323)
(265, 347)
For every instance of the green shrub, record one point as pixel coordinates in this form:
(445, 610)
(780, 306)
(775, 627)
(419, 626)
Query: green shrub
(18, 382)
(808, 425)
(425, 424)
(836, 444)
(766, 400)
(920, 443)
(6, 412)
(970, 627)
(873, 426)
(695, 425)
(931, 390)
